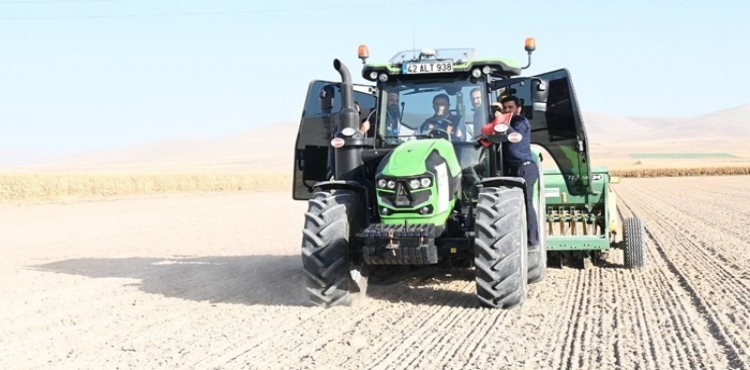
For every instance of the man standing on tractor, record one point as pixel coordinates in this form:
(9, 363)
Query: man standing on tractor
(518, 160)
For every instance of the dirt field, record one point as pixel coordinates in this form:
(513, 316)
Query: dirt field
(213, 281)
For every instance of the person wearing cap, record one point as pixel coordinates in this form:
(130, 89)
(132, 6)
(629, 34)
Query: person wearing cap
(518, 159)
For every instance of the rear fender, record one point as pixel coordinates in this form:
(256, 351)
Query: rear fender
(511, 182)
(360, 189)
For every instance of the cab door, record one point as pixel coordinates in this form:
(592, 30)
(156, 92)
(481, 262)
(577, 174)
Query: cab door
(560, 130)
(549, 103)
(312, 151)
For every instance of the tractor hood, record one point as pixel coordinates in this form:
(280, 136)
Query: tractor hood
(418, 157)
(418, 182)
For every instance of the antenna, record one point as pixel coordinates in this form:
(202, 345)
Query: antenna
(414, 35)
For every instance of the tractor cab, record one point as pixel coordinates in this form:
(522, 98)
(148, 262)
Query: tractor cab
(443, 93)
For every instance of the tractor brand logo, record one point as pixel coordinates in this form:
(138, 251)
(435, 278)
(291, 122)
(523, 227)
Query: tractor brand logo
(402, 198)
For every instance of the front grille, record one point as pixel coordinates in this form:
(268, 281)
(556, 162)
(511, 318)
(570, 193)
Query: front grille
(402, 198)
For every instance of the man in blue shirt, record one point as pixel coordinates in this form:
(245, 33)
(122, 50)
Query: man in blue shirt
(518, 160)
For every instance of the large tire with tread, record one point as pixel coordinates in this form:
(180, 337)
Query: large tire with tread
(329, 219)
(635, 245)
(500, 252)
(538, 256)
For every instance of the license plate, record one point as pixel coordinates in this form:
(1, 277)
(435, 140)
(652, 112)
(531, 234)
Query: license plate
(432, 67)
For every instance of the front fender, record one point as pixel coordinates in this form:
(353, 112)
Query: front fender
(511, 182)
(360, 189)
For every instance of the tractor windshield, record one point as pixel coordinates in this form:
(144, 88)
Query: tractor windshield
(412, 110)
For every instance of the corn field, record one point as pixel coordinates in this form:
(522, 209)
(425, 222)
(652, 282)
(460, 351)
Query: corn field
(53, 186)
(39, 186)
(677, 172)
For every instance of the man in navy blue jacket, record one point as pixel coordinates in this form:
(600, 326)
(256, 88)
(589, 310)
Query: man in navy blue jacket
(519, 161)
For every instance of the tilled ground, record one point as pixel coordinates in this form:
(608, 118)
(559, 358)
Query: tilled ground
(214, 281)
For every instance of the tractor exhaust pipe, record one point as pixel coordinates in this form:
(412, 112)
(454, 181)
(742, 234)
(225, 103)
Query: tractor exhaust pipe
(349, 116)
(348, 156)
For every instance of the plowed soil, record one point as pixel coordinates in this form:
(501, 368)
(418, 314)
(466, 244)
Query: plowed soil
(214, 281)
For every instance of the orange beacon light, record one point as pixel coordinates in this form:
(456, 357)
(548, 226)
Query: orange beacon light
(530, 44)
(363, 52)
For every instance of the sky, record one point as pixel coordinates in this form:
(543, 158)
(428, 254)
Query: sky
(82, 75)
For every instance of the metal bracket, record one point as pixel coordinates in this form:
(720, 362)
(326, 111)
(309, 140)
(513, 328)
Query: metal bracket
(391, 245)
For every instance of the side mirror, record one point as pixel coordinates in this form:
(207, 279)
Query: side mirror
(539, 94)
(326, 97)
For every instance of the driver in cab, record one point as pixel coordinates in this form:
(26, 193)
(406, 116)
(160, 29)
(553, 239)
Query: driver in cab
(444, 120)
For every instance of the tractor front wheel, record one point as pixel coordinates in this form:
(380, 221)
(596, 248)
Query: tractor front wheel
(500, 252)
(325, 247)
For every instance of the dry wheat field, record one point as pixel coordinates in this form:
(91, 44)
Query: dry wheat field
(56, 186)
(213, 281)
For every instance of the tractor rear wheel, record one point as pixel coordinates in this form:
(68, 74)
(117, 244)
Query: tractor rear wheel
(500, 252)
(635, 245)
(538, 254)
(329, 219)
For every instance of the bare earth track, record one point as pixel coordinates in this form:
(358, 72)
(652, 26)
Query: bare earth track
(214, 281)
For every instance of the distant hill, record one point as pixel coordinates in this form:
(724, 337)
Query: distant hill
(267, 147)
(728, 123)
(19, 157)
(602, 128)
(272, 147)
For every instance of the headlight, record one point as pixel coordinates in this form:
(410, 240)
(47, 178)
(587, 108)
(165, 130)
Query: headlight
(426, 182)
(414, 184)
(391, 184)
(382, 183)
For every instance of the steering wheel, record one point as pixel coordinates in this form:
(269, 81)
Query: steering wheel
(437, 121)
(436, 131)
(439, 133)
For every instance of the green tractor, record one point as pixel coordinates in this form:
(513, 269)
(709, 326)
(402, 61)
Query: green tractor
(406, 193)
